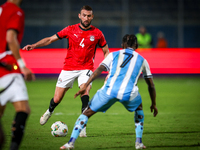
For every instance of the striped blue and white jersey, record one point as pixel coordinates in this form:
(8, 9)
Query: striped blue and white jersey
(125, 67)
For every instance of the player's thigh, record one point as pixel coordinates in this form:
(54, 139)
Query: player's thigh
(22, 106)
(133, 104)
(66, 79)
(101, 102)
(84, 76)
(14, 89)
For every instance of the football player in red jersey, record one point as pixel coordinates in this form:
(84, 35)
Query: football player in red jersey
(12, 85)
(83, 39)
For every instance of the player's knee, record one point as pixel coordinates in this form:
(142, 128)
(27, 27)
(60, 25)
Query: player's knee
(139, 116)
(24, 109)
(57, 99)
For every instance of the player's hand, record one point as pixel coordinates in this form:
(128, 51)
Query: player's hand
(81, 91)
(28, 75)
(154, 110)
(28, 47)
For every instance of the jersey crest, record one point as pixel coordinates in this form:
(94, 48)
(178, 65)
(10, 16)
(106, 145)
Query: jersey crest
(92, 38)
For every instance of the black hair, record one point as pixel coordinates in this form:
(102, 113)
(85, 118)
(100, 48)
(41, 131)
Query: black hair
(86, 7)
(130, 40)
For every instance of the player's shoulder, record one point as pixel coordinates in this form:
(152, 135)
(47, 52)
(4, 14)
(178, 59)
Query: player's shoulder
(140, 57)
(13, 9)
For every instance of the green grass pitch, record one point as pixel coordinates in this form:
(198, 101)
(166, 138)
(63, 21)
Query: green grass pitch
(177, 125)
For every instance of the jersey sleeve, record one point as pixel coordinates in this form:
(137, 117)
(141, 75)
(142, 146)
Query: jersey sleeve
(146, 70)
(107, 61)
(16, 21)
(63, 33)
(102, 41)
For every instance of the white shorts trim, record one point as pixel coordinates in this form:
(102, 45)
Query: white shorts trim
(66, 78)
(2, 55)
(17, 90)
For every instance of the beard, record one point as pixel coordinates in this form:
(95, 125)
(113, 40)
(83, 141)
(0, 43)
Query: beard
(86, 25)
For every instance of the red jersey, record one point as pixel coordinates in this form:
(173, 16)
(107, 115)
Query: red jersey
(11, 17)
(82, 46)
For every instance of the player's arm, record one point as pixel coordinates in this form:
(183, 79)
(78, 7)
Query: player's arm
(43, 42)
(152, 93)
(13, 44)
(95, 74)
(105, 50)
(11, 38)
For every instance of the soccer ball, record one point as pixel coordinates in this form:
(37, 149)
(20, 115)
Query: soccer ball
(59, 129)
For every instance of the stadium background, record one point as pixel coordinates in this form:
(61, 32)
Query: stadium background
(179, 20)
(177, 126)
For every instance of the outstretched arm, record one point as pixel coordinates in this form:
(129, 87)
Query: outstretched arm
(43, 42)
(95, 74)
(152, 93)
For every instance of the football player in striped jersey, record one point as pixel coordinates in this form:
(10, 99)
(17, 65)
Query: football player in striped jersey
(125, 67)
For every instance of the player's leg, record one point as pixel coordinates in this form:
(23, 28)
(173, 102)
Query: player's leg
(64, 82)
(78, 127)
(139, 121)
(58, 96)
(6, 93)
(83, 77)
(17, 94)
(136, 105)
(22, 111)
(81, 123)
(100, 102)
(85, 100)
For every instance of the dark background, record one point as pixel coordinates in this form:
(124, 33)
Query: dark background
(179, 20)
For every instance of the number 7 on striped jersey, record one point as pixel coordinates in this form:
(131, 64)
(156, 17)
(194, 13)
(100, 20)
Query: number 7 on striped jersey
(126, 60)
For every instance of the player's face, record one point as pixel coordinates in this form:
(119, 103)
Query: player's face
(86, 17)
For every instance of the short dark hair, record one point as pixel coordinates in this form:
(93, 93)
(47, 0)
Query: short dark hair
(130, 40)
(86, 7)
